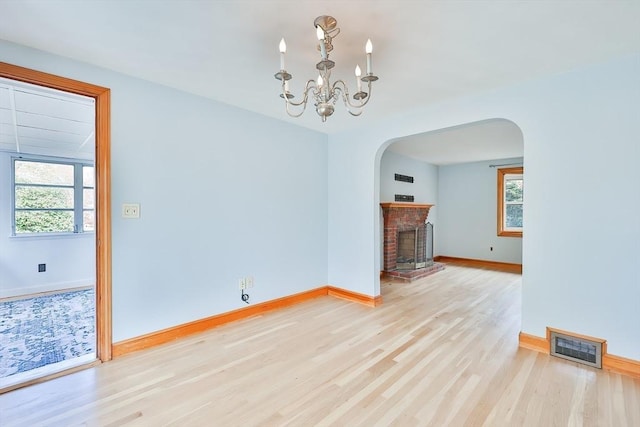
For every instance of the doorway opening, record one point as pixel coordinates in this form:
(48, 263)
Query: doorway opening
(96, 217)
(450, 171)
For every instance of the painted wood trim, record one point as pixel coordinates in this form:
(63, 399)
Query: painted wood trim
(354, 296)
(500, 196)
(166, 335)
(479, 263)
(103, 226)
(41, 78)
(197, 326)
(102, 96)
(533, 342)
(621, 365)
(386, 205)
(617, 364)
(503, 233)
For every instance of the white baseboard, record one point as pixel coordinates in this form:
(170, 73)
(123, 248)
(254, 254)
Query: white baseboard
(49, 287)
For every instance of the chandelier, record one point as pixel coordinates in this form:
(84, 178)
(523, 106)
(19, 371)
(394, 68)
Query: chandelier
(321, 90)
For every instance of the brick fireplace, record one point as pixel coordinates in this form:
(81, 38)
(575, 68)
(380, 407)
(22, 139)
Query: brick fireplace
(404, 241)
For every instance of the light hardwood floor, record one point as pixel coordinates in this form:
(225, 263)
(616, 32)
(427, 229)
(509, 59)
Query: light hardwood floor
(440, 351)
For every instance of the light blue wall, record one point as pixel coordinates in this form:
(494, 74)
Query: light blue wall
(424, 187)
(224, 193)
(581, 246)
(202, 227)
(468, 214)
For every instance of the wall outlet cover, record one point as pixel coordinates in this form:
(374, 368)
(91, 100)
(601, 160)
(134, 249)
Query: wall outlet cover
(131, 210)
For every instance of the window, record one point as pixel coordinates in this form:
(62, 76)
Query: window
(52, 196)
(510, 201)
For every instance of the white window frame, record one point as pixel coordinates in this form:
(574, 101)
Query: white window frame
(78, 193)
(504, 175)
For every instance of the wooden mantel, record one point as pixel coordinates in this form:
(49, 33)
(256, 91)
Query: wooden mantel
(387, 205)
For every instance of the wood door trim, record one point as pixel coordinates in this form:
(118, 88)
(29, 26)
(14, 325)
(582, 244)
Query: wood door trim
(102, 98)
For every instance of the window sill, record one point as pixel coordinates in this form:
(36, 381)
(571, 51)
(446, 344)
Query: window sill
(52, 236)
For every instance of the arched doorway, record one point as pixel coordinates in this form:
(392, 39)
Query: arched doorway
(454, 170)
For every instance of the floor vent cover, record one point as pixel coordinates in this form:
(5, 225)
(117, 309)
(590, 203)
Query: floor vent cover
(577, 349)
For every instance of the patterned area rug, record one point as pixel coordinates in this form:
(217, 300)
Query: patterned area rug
(39, 331)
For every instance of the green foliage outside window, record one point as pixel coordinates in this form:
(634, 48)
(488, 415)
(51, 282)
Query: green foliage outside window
(514, 190)
(514, 216)
(46, 220)
(514, 197)
(44, 197)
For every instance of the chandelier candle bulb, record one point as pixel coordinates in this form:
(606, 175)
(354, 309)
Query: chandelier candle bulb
(368, 48)
(358, 74)
(323, 48)
(283, 49)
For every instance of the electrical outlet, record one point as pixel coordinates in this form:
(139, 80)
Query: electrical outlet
(245, 283)
(131, 210)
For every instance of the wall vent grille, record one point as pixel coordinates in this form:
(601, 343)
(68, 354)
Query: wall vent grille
(404, 198)
(576, 349)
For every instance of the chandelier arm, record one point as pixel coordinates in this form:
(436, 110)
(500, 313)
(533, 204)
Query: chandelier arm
(310, 83)
(295, 115)
(366, 99)
(308, 86)
(341, 86)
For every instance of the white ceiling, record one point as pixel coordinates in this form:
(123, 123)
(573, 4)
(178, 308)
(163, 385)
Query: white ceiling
(424, 51)
(473, 142)
(36, 120)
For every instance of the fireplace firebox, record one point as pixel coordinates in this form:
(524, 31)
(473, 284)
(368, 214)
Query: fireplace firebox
(408, 241)
(411, 253)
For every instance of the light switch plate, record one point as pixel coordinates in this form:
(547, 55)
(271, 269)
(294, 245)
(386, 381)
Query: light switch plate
(131, 210)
